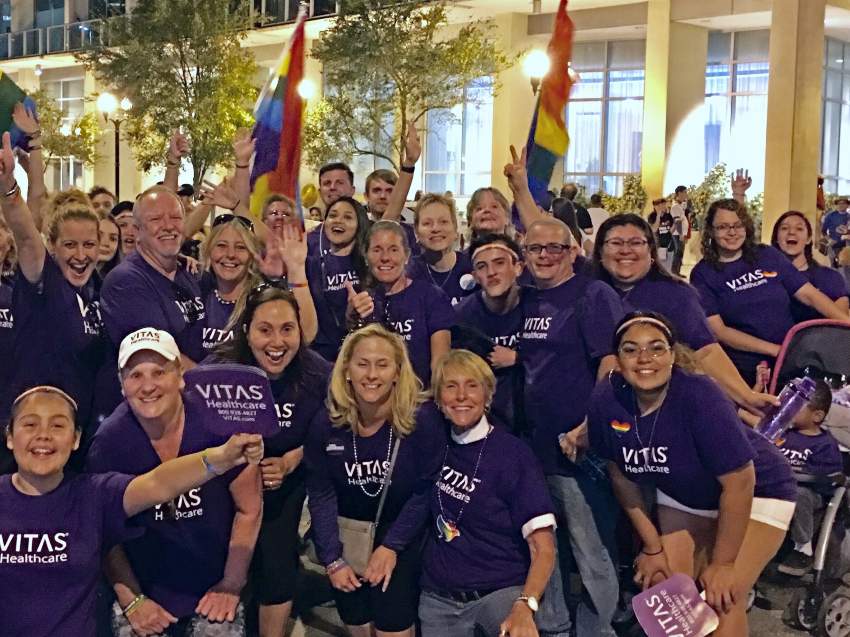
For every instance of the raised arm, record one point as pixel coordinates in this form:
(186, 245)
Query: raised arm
(36, 191)
(517, 176)
(31, 250)
(741, 182)
(243, 150)
(178, 148)
(412, 152)
(293, 248)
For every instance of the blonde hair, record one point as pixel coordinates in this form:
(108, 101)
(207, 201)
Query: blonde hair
(406, 396)
(252, 274)
(475, 201)
(430, 199)
(467, 363)
(72, 205)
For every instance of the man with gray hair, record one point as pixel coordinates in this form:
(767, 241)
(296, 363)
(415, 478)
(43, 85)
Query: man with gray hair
(151, 288)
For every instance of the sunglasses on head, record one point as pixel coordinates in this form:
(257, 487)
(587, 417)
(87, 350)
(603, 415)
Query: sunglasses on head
(227, 218)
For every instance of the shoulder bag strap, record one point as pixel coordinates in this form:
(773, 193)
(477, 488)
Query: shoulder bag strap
(387, 481)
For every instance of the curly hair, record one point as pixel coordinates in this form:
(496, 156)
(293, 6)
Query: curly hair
(708, 245)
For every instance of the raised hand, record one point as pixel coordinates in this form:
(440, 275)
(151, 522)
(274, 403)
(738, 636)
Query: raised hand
(243, 147)
(24, 119)
(222, 195)
(515, 171)
(359, 303)
(271, 264)
(293, 250)
(7, 165)
(741, 182)
(178, 147)
(412, 145)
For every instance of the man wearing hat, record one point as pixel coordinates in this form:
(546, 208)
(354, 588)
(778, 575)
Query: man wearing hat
(185, 574)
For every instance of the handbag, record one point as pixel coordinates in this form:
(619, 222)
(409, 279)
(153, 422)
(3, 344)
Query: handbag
(358, 536)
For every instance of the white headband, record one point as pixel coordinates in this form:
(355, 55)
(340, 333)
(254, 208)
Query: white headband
(645, 319)
(495, 246)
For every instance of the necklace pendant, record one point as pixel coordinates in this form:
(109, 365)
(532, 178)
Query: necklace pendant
(447, 529)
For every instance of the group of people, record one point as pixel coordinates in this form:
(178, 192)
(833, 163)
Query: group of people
(458, 422)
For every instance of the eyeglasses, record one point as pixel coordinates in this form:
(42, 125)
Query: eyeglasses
(618, 244)
(726, 227)
(188, 304)
(656, 349)
(227, 218)
(551, 248)
(276, 214)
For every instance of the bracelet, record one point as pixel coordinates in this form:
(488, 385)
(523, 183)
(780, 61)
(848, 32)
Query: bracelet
(16, 189)
(171, 162)
(34, 148)
(408, 169)
(133, 606)
(335, 566)
(302, 284)
(242, 165)
(658, 552)
(207, 464)
(35, 134)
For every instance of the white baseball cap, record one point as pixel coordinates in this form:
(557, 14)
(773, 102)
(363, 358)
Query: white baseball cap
(147, 338)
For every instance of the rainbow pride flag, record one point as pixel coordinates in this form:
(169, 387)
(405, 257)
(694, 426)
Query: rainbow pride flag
(278, 115)
(547, 138)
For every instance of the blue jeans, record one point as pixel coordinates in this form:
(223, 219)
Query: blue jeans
(441, 617)
(588, 511)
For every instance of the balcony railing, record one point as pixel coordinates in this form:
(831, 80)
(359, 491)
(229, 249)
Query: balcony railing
(66, 38)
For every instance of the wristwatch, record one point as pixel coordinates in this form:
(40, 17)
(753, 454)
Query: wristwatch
(530, 601)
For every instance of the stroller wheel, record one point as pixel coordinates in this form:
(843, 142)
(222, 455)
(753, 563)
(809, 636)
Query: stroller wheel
(834, 615)
(802, 610)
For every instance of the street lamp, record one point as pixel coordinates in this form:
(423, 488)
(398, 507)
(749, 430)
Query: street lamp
(115, 112)
(535, 66)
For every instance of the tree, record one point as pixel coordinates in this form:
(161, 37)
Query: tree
(386, 63)
(181, 64)
(61, 139)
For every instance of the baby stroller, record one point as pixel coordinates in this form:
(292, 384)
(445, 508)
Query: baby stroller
(821, 349)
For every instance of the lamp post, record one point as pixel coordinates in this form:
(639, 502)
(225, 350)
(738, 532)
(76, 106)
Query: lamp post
(535, 66)
(115, 112)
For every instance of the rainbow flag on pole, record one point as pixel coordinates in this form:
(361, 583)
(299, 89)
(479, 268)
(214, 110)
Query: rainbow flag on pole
(278, 114)
(548, 139)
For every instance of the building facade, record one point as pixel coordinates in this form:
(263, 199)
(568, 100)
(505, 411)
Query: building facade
(666, 88)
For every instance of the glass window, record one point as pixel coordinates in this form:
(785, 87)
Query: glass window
(49, 12)
(719, 47)
(5, 16)
(605, 114)
(835, 143)
(752, 46)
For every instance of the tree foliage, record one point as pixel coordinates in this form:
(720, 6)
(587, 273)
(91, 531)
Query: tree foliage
(386, 63)
(633, 198)
(181, 64)
(62, 139)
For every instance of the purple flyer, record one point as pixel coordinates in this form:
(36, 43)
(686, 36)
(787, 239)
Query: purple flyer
(234, 398)
(674, 608)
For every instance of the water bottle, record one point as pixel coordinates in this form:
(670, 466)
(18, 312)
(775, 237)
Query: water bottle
(792, 399)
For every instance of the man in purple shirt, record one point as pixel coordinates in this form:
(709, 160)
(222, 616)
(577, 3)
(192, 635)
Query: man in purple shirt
(189, 567)
(565, 344)
(335, 180)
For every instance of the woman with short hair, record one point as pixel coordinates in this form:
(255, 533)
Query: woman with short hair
(59, 524)
(491, 545)
(375, 435)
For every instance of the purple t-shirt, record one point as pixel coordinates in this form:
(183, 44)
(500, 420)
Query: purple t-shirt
(415, 313)
(752, 298)
(217, 314)
(502, 329)
(828, 281)
(7, 340)
(135, 295)
(327, 277)
(677, 301)
(811, 455)
(59, 336)
(683, 446)
(177, 560)
(337, 485)
(51, 548)
(450, 281)
(566, 331)
(507, 491)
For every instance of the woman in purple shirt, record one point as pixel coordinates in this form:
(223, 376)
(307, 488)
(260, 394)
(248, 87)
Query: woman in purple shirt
(792, 235)
(416, 310)
(375, 418)
(55, 526)
(746, 288)
(725, 494)
(267, 335)
(491, 545)
(625, 256)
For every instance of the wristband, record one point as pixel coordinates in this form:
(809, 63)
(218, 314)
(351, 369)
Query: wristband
(408, 169)
(172, 162)
(208, 465)
(16, 189)
(658, 552)
(133, 606)
(302, 284)
(242, 165)
(335, 566)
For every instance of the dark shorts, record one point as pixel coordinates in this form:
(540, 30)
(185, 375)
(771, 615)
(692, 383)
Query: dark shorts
(392, 611)
(275, 563)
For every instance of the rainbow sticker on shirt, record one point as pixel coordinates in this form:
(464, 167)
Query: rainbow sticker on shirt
(621, 427)
(769, 274)
(447, 530)
(779, 442)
